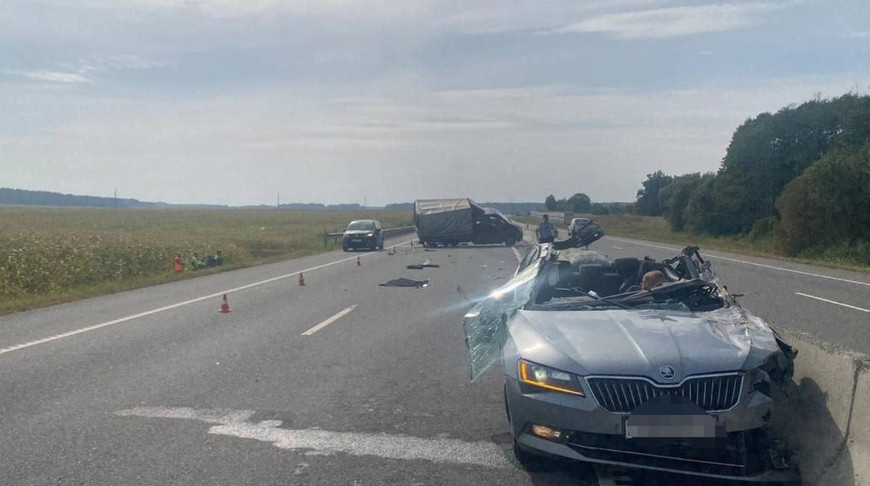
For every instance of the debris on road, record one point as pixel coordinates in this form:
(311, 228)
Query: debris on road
(421, 266)
(406, 282)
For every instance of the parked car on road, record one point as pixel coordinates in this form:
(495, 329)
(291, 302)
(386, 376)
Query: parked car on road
(604, 364)
(364, 233)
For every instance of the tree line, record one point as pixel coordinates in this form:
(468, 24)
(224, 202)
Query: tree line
(800, 176)
(581, 203)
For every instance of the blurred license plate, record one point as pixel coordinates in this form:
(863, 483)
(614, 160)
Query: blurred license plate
(670, 426)
(356, 241)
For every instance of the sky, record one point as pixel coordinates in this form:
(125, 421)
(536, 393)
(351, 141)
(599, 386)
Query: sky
(240, 102)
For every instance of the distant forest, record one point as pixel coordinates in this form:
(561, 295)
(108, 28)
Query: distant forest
(800, 176)
(44, 198)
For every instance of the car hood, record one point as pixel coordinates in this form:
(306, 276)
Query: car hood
(632, 342)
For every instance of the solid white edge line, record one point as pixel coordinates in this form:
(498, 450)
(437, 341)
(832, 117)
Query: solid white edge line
(867, 284)
(329, 321)
(176, 305)
(832, 302)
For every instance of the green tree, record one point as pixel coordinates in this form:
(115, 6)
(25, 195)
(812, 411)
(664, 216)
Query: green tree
(828, 204)
(550, 203)
(579, 203)
(674, 198)
(648, 202)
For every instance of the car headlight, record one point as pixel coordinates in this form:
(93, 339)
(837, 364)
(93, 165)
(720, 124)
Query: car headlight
(548, 378)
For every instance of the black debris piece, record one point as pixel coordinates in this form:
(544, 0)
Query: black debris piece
(421, 266)
(406, 282)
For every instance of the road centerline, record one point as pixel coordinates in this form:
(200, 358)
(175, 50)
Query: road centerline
(214, 295)
(329, 321)
(832, 302)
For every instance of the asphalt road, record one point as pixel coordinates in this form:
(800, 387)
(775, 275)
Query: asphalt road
(183, 394)
(339, 382)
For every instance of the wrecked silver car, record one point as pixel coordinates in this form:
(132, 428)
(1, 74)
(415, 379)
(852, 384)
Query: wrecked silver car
(633, 362)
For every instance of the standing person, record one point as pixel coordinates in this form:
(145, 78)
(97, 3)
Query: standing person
(546, 232)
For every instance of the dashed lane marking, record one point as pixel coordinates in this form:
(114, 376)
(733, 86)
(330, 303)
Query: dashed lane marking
(832, 302)
(238, 423)
(772, 267)
(56, 337)
(329, 321)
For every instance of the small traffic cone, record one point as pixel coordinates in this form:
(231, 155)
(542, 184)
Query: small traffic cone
(358, 263)
(225, 307)
(301, 280)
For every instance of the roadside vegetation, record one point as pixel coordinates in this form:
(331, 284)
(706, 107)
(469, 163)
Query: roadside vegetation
(794, 184)
(51, 255)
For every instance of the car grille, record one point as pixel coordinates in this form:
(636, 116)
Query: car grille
(622, 395)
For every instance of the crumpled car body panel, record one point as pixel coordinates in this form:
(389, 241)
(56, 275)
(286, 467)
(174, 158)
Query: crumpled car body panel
(626, 357)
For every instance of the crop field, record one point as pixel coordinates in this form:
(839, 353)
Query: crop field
(50, 255)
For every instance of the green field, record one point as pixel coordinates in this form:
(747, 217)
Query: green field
(50, 255)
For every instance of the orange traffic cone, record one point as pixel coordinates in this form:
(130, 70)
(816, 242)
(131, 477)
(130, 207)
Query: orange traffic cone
(225, 307)
(301, 280)
(358, 262)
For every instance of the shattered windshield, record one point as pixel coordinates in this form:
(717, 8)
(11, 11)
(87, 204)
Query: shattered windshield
(485, 323)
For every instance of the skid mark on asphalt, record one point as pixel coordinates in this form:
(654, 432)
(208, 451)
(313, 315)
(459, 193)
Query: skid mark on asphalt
(238, 423)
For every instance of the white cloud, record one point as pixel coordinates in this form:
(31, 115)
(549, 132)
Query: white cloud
(52, 76)
(673, 21)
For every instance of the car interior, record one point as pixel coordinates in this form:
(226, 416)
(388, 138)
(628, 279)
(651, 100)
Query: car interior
(621, 280)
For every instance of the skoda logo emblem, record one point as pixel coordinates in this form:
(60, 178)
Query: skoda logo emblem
(667, 372)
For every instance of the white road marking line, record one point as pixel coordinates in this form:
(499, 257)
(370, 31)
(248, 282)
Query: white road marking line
(518, 254)
(238, 423)
(329, 321)
(176, 305)
(867, 284)
(618, 248)
(832, 302)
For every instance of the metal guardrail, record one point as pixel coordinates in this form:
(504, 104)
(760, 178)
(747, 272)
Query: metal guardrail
(388, 233)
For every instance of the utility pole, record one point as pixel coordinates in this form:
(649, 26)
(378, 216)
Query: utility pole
(278, 206)
(116, 198)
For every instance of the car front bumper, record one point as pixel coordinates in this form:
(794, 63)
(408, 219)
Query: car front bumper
(591, 434)
(359, 242)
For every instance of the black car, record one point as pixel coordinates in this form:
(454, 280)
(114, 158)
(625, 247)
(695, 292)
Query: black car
(364, 233)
